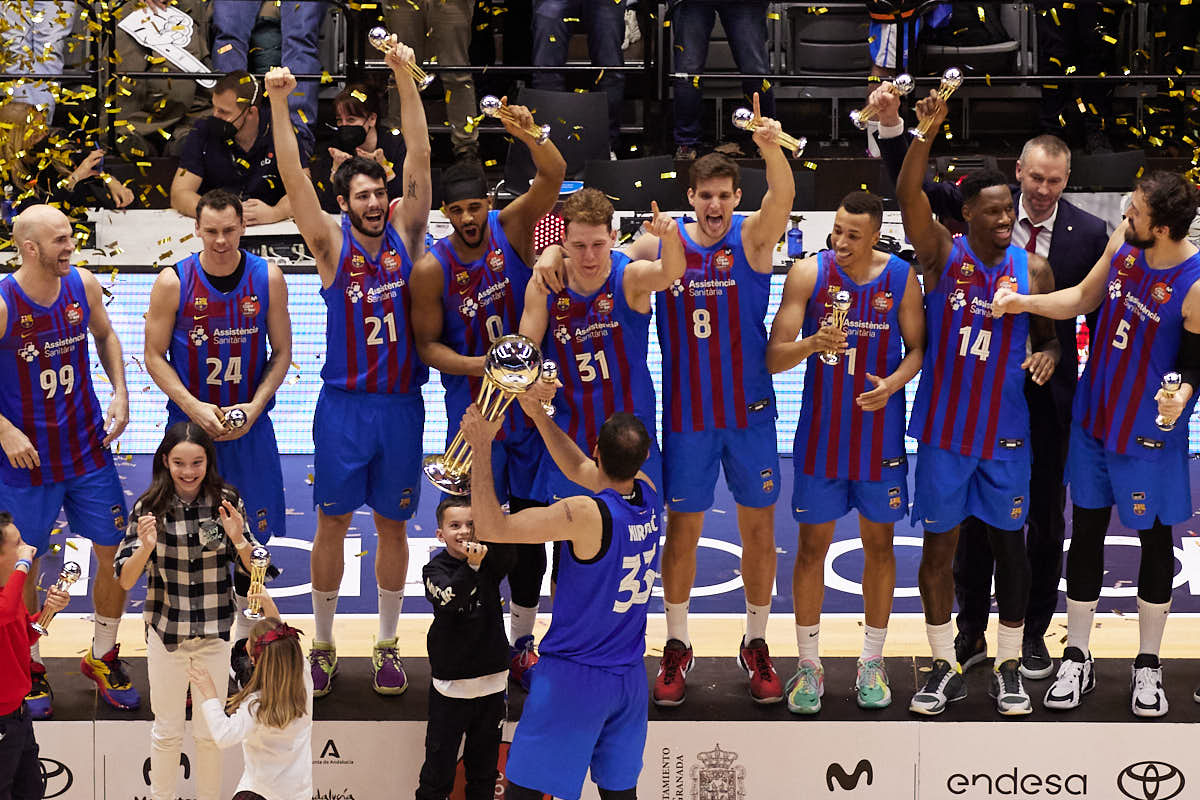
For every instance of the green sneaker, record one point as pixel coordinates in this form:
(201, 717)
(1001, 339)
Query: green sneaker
(871, 685)
(805, 688)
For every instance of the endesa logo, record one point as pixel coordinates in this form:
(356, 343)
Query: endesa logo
(1018, 784)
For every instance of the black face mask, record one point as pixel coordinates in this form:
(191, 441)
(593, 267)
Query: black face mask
(349, 138)
(224, 130)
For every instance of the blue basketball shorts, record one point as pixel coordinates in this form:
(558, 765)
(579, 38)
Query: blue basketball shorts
(579, 717)
(367, 449)
(1140, 488)
(951, 487)
(816, 500)
(749, 456)
(94, 503)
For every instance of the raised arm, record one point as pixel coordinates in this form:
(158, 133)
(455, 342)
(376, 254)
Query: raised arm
(427, 318)
(521, 216)
(535, 318)
(108, 348)
(930, 239)
(1068, 303)
(576, 465)
(784, 349)
(645, 277)
(410, 217)
(764, 228)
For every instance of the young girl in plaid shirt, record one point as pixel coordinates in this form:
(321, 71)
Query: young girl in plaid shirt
(185, 531)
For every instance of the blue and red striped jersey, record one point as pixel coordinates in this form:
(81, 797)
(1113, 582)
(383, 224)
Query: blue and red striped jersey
(481, 301)
(713, 336)
(601, 346)
(971, 398)
(834, 437)
(1137, 340)
(47, 387)
(369, 345)
(219, 345)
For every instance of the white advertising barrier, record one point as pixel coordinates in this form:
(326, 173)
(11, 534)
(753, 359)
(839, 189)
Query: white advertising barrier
(1108, 761)
(67, 759)
(355, 760)
(122, 762)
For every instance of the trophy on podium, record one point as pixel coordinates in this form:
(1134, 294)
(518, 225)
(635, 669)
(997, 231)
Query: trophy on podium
(494, 107)
(744, 118)
(510, 367)
(381, 40)
(550, 376)
(902, 85)
(70, 573)
(1171, 383)
(952, 78)
(839, 307)
(260, 559)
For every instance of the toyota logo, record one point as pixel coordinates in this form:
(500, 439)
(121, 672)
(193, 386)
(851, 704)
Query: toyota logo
(1150, 780)
(56, 777)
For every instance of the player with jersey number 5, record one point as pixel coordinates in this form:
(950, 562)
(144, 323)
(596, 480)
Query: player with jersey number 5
(1129, 430)
(55, 437)
(369, 419)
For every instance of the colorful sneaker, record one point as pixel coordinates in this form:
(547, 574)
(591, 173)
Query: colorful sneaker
(40, 700)
(670, 687)
(871, 688)
(945, 685)
(765, 686)
(806, 687)
(1009, 692)
(241, 668)
(1149, 699)
(108, 672)
(387, 673)
(322, 660)
(1075, 679)
(522, 657)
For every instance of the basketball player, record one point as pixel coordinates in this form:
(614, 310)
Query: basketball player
(849, 451)
(468, 291)
(718, 401)
(587, 707)
(54, 435)
(370, 416)
(1147, 286)
(210, 319)
(970, 418)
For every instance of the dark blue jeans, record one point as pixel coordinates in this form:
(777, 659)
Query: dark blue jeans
(20, 771)
(745, 23)
(605, 23)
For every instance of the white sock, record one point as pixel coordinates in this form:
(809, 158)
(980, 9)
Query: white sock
(1008, 643)
(324, 608)
(808, 642)
(241, 623)
(677, 621)
(35, 652)
(941, 641)
(1152, 619)
(390, 604)
(520, 621)
(1080, 615)
(104, 634)
(873, 639)
(756, 621)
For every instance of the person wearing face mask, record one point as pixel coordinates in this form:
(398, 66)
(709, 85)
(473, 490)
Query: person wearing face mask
(359, 132)
(233, 150)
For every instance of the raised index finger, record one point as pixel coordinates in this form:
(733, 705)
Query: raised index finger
(757, 112)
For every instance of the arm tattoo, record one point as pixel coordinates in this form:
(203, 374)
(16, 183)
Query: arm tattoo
(567, 510)
(412, 187)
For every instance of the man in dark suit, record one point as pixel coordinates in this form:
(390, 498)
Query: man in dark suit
(1072, 240)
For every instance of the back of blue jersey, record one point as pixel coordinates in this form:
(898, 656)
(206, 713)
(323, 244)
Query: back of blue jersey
(835, 438)
(713, 334)
(219, 344)
(481, 301)
(46, 390)
(600, 608)
(601, 346)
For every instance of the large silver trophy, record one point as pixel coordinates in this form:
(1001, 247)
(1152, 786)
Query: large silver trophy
(744, 118)
(70, 573)
(511, 366)
(381, 40)
(496, 108)
(902, 85)
(260, 559)
(952, 78)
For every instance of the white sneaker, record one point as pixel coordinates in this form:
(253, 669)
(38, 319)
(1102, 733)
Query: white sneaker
(1008, 690)
(1075, 679)
(1149, 699)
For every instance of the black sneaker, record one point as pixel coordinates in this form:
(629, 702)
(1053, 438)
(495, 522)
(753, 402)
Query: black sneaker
(944, 685)
(240, 665)
(1036, 663)
(969, 650)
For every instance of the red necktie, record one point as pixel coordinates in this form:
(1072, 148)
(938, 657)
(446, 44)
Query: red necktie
(1034, 230)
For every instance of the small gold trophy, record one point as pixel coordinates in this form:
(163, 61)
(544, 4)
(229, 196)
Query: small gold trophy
(902, 85)
(839, 307)
(550, 376)
(496, 108)
(952, 78)
(381, 40)
(1171, 382)
(70, 573)
(260, 559)
(744, 118)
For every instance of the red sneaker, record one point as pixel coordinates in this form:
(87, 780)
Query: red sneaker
(670, 686)
(522, 658)
(754, 657)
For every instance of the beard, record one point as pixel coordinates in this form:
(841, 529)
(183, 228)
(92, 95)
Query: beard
(1132, 239)
(359, 224)
(478, 239)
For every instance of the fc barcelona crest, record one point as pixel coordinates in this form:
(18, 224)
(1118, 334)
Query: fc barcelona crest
(495, 260)
(604, 304)
(1017, 503)
(894, 497)
(27, 321)
(200, 303)
(563, 303)
(966, 269)
(74, 314)
(716, 777)
(251, 306)
(462, 277)
(357, 260)
(723, 258)
(1161, 293)
(882, 302)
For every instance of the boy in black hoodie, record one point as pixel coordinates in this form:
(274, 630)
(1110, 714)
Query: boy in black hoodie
(468, 657)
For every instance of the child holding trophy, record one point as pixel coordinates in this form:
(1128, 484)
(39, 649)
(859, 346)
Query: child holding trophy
(185, 532)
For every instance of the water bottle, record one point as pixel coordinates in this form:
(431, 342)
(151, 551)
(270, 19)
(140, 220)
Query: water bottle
(795, 240)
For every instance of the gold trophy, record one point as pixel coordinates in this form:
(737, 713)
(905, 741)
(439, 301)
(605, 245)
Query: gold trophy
(550, 376)
(1171, 383)
(839, 307)
(496, 108)
(952, 78)
(744, 118)
(381, 40)
(902, 85)
(70, 573)
(260, 559)
(510, 367)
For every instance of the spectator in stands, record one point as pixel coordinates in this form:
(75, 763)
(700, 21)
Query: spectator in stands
(439, 31)
(32, 33)
(745, 24)
(894, 28)
(300, 22)
(234, 150)
(359, 132)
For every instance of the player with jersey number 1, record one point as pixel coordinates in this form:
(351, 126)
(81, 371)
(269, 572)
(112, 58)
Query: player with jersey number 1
(849, 451)
(1129, 430)
(370, 417)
